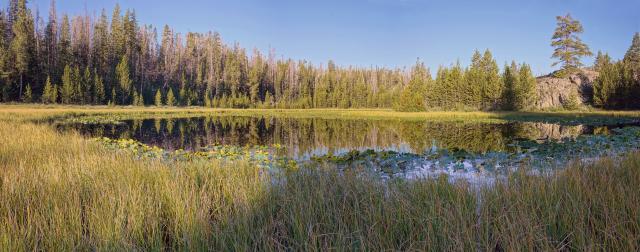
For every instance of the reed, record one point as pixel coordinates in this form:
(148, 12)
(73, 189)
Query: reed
(59, 191)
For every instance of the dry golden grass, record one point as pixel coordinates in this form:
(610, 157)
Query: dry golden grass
(60, 192)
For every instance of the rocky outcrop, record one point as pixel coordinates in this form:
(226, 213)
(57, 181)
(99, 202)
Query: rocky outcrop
(554, 92)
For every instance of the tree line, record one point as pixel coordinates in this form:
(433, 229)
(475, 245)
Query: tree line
(112, 59)
(618, 85)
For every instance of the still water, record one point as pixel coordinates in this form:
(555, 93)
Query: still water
(305, 138)
(477, 152)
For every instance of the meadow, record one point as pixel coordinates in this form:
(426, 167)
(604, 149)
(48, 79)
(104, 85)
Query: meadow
(61, 191)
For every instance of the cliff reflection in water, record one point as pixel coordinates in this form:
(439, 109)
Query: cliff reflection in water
(311, 136)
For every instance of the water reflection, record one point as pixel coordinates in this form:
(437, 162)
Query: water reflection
(307, 137)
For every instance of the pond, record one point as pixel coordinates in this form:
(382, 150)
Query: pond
(391, 147)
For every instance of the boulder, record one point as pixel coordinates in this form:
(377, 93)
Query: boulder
(554, 92)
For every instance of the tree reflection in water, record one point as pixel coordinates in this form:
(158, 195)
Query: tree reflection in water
(306, 137)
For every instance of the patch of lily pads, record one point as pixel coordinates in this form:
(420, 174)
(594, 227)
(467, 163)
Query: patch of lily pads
(92, 120)
(541, 156)
(262, 156)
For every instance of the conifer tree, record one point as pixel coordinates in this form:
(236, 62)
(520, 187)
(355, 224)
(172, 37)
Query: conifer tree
(65, 56)
(158, 98)
(99, 89)
(475, 78)
(5, 55)
(23, 42)
(47, 92)
(526, 92)
(87, 86)
(182, 96)
(456, 82)
(27, 97)
(509, 77)
(569, 48)
(493, 88)
(255, 78)
(601, 61)
(268, 100)
(124, 78)
(67, 90)
(632, 56)
(54, 94)
(135, 101)
(76, 83)
(113, 96)
(171, 100)
(413, 96)
(140, 100)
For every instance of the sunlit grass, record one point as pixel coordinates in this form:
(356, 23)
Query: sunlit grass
(59, 191)
(38, 111)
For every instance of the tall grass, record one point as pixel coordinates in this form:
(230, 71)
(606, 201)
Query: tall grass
(59, 191)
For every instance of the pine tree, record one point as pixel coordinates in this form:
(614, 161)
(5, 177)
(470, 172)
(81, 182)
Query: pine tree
(569, 48)
(141, 100)
(255, 78)
(99, 89)
(23, 42)
(117, 35)
(101, 43)
(67, 90)
(47, 92)
(138, 99)
(171, 100)
(413, 96)
(632, 56)
(54, 94)
(87, 86)
(268, 100)
(474, 76)
(135, 101)
(457, 84)
(65, 56)
(27, 97)
(509, 77)
(51, 42)
(113, 96)
(601, 61)
(124, 78)
(158, 98)
(5, 56)
(493, 88)
(182, 96)
(527, 93)
(76, 80)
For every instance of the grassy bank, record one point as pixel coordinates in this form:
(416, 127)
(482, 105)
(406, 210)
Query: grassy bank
(38, 111)
(59, 191)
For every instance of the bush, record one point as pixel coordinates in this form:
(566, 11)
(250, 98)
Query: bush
(572, 102)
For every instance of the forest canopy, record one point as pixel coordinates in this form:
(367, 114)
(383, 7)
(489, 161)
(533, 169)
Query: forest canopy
(113, 59)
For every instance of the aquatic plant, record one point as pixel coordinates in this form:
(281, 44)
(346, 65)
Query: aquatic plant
(262, 156)
(544, 155)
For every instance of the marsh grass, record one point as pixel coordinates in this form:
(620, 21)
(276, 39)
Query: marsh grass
(59, 191)
(39, 112)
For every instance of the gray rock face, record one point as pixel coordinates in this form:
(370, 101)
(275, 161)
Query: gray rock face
(553, 92)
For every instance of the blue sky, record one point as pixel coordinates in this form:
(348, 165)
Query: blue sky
(388, 32)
